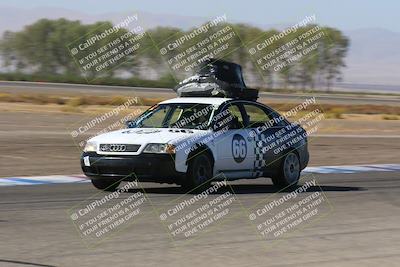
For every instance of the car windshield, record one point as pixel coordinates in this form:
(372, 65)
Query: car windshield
(176, 115)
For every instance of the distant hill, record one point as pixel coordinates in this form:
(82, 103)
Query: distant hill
(373, 57)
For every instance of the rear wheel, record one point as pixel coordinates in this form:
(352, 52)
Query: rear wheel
(105, 184)
(199, 173)
(289, 173)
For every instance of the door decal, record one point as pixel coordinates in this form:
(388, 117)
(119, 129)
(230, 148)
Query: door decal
(239, 148)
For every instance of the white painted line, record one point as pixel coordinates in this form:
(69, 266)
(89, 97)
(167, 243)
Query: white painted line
(36, 180)
(353, 168)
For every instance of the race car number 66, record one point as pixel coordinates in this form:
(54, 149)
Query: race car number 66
(239, 148)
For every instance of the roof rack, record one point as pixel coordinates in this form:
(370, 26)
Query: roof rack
(216, 78)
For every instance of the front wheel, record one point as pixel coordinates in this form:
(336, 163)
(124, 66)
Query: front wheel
(105, 184)
(199, 173)
(289, 174)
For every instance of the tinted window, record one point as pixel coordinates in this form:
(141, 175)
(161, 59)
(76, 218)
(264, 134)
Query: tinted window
(230, 117)
(237, 115)
(256, 115)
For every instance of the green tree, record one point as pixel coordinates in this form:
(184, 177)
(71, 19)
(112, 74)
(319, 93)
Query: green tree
(42, 48)
(333, 55)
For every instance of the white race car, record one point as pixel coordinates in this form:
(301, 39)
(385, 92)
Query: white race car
(192, 141)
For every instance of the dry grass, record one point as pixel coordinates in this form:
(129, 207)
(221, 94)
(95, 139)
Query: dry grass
(337, 111)
(390, 117)
(34, 98)
(71, 103)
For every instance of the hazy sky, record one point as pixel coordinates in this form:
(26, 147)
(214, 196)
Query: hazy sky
(343, 14)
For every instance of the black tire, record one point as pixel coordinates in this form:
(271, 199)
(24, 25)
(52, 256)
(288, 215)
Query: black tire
(106, 184)
(199, 173)
(289, 173)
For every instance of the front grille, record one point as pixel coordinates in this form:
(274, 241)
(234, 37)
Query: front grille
(119, 148)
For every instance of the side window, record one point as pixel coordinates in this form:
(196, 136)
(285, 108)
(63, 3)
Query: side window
(279, 121)
(236, 115)
(256, 115)
(229, 118)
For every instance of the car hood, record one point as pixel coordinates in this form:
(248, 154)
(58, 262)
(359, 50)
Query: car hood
(145, 136)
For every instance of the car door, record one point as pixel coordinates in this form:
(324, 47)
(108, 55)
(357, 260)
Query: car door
(265, 130)
(235, 153)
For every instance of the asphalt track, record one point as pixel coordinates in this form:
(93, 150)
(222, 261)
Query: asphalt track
(362, 228)
(168, 93)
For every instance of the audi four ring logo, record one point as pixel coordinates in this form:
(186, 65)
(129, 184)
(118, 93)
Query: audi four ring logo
(113, 148)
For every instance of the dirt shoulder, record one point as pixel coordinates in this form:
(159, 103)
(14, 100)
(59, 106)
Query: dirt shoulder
(40, 143)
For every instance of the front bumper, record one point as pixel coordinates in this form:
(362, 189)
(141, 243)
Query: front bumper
(144, 167)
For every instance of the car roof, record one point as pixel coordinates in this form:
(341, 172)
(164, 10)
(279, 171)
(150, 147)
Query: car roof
(200, 100)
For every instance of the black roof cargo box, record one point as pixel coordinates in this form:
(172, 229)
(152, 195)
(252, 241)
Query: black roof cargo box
(216, 78)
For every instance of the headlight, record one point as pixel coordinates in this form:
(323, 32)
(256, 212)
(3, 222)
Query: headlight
(159, 148)
(90, 146)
